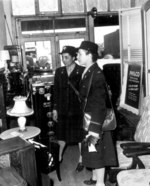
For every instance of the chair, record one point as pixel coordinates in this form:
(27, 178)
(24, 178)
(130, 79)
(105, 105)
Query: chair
(47, 158)
(138, 177)
(135, 154)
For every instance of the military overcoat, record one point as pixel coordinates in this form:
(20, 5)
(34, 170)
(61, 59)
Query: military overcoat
(96, 107)
(66, 102)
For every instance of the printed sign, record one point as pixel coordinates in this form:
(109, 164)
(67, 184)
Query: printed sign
(133, 86)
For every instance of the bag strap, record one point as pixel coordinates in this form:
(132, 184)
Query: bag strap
(72, 86)
(77, 92)
(109, 96)
(89, 86)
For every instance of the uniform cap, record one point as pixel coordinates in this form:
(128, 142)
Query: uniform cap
(89, 46)
(70, 50)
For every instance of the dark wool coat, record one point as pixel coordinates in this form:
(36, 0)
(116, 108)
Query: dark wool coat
(66, 102)
(96, 107)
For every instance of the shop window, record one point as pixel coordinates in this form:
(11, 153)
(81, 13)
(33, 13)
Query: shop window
(59, 25)
(70, 25)
(37, 26)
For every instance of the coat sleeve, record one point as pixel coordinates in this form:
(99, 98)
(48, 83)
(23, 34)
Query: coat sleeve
(96, 102)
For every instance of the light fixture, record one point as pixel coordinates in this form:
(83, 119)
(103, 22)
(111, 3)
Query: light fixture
(4, 56)
(20, 110)
(93, 12)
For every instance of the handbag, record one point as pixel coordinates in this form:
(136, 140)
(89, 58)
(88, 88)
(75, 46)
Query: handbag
(110, 119)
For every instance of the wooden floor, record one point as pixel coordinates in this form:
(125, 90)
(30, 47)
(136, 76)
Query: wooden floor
(68, 174)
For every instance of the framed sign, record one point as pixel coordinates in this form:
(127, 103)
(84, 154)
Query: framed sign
(131, 87)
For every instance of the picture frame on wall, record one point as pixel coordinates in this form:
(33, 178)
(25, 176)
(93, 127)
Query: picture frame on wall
(131, 87)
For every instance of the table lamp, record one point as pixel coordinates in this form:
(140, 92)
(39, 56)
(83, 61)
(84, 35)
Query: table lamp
(20, 110)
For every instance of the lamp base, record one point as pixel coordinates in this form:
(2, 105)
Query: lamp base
(23, 130)
(22, 123)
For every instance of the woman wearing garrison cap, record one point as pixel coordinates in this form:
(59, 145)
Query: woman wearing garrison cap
(97, 148)
(66, 111)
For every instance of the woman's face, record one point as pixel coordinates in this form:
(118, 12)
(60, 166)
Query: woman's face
(67, 59)
(82, 57)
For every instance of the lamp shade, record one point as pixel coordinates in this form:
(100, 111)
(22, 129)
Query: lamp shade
(4, 55)
(20, 107)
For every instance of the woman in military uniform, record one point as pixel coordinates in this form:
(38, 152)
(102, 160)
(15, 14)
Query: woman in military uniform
(97, 148)
(66, 109)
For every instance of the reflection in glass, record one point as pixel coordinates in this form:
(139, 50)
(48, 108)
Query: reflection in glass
(38, 55)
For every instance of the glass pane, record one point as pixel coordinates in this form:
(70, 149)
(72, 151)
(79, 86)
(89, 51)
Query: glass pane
(70, 42)
(131, 30)
(72, 6)
(38, 55)
(140, 2)
(135, 32)
(37, 26)
(106, 20)
(48, 5)
(100, 33)
(70, 25)
(125, 3)
(115, 5)
(148, 47)
(124, 37)
(101, 5)
(46, 26)
(148, 36)
(26, 7)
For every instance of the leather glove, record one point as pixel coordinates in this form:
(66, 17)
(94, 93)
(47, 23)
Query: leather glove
(91, 140)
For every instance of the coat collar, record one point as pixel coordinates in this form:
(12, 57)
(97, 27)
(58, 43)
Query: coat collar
(75, 70)
(90, 70)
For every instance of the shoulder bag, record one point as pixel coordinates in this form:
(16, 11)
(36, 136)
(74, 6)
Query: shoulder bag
(110, 120)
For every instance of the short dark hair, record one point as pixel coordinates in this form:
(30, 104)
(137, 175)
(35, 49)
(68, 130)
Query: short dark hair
(94, 56)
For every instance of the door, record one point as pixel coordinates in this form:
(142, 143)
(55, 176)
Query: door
(146, 31)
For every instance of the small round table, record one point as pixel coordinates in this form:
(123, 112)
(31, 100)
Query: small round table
(29, 133)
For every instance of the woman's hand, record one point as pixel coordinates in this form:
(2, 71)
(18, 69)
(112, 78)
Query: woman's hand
(91, 140)
(55, 115)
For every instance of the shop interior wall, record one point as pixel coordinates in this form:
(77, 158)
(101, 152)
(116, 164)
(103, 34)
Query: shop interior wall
(3, 39)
